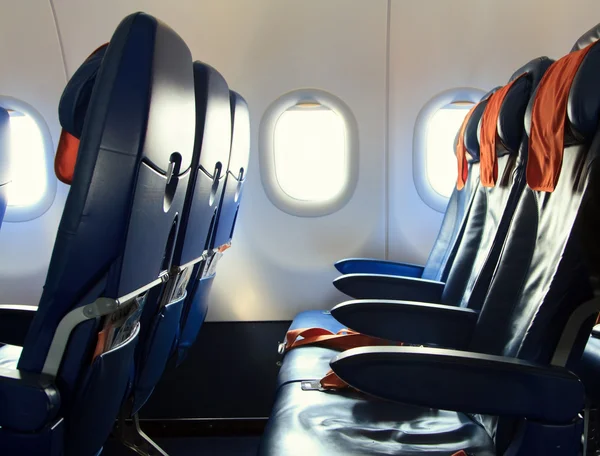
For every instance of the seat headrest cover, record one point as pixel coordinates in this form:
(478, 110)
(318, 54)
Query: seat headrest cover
(472, 131)
(66, 157)
(549, 115)
(514, 106)
(584, 97)
(535, 68)
(467, 144)
(488, 134)
(71, 113)
(461, 151)
(589, 37)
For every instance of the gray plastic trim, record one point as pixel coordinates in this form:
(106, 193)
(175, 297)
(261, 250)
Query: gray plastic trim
(571, 331)
(267, 157)
(99, 308)
(33, 211)
(424, 188)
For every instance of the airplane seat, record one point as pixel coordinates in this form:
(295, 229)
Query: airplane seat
(4, 161)
(458, 208)
(473, 258)
(62, 391)
(196, 306)
(459, 203)
(160, 322)
(491, 210)
(507, 391)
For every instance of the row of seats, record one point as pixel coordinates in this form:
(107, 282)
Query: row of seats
(491, 324)
(155, 149)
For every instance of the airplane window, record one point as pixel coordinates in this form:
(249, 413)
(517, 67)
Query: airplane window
(308, 153)
(30, 157)
(441, 134)
(436, 127)
(27, 161)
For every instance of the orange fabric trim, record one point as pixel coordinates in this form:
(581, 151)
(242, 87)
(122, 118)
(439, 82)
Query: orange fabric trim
(332, 382)
(461, 152)
(344, 339)
(66, 157)
(548, 117)
(489, 134)
(68, 147)
(224, 247)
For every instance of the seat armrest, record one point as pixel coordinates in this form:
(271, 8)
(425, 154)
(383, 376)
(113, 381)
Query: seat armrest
(409, 322)
(382, 286)
(373, 266)
(29, 400)
(464, 382)
(14, 322)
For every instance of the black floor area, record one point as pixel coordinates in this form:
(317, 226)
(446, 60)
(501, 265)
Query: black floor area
(195, 446)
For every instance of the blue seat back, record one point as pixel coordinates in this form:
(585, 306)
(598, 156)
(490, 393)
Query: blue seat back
(459, 204)
(493, 207)
(549, 267)
(121, 216)
(164, 307)
(196, 306)
(236, 173)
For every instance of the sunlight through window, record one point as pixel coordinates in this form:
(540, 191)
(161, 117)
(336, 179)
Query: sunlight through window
(310, 153)
(441, 134)
(27, 161)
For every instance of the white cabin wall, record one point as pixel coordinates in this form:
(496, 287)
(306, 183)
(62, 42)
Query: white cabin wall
(280, 264)
(437, 45)
(32, 71)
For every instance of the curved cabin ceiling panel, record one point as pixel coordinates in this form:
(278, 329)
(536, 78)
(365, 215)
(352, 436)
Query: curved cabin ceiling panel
(279, 263)
(32, 71)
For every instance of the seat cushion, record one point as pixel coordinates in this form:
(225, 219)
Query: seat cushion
(316, 319)
(311, 362)
(305, 363)
(9, 356)
(350, 424)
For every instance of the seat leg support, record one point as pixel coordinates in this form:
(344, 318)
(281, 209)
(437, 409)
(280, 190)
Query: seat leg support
(131, 435)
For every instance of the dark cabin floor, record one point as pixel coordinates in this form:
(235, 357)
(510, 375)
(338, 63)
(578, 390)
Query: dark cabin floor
(194, 446)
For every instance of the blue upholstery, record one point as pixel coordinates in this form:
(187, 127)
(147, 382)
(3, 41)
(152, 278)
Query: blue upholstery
(441, 255)
(474, 255)
(4, 161)
(547, 269)
(444, 247)
(163, 311)
(374, 266)
(196, 306)
(116, 233)
(236, 172)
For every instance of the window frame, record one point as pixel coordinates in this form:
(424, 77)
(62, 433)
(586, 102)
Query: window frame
(424, 187)
(16, 214)
(275, 193)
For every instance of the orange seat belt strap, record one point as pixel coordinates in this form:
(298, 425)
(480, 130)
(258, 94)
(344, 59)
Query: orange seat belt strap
(344, 339)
